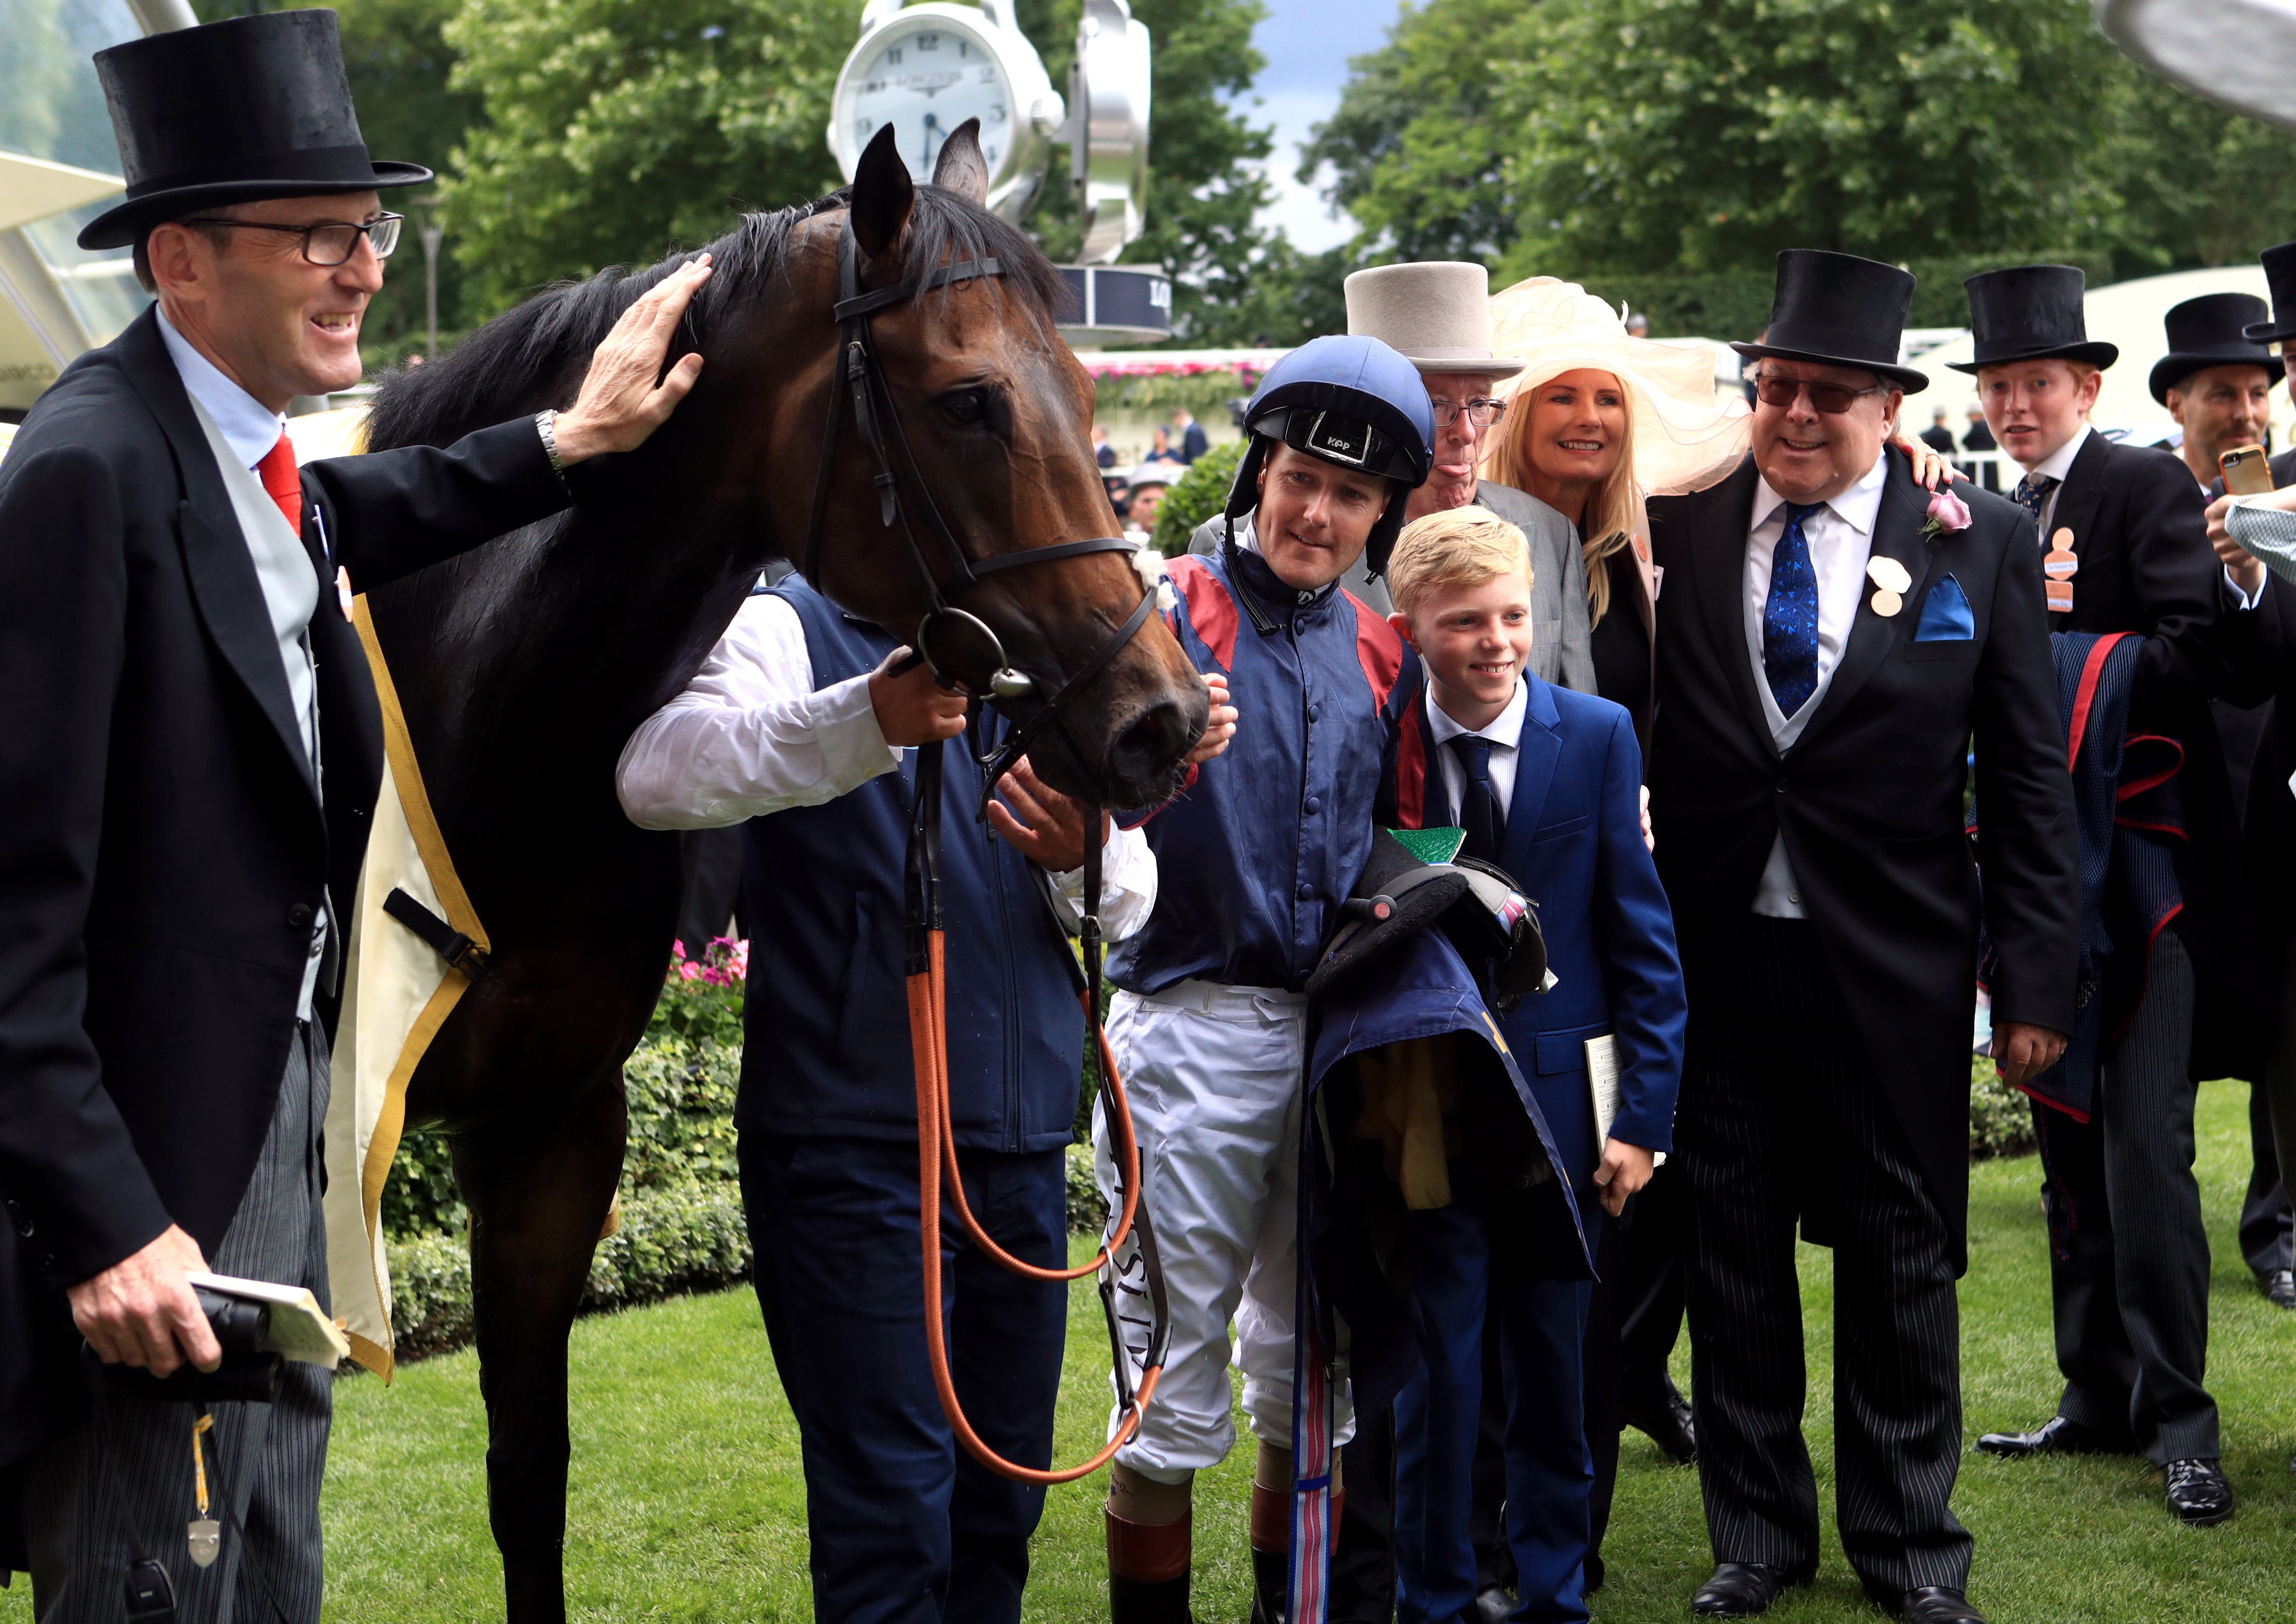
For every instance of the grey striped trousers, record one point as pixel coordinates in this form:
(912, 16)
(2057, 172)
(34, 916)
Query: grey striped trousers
(117, 1484)
(1780, 1111)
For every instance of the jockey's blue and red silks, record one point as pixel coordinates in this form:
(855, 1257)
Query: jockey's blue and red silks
(828, 1049)
(1272, 833)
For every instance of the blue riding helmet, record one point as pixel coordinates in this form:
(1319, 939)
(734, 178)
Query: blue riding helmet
(1353, 402)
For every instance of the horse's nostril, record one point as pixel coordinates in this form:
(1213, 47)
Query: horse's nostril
(1158, 737)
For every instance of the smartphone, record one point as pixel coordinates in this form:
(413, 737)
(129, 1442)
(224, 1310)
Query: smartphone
(2245, 472)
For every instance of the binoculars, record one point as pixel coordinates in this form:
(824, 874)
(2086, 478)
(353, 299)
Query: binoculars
(249, 1373)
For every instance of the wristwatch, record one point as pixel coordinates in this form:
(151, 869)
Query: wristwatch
(548, 423)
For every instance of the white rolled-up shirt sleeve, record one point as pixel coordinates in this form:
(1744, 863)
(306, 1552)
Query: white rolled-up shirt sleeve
(1127, 884)
(750, 735)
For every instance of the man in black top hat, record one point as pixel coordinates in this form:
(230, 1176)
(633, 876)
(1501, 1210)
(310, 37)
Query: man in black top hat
(186, 778)
(2216, 383)
(1829, 639)
(2128, 552)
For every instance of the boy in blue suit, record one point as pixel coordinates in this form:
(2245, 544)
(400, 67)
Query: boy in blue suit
(1545, 784)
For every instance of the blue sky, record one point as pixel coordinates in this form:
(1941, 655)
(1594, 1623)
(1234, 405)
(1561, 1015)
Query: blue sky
(1307, 44)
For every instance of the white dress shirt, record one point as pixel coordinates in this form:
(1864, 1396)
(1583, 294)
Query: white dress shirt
(751, 735)
(1840, 539)
(241, 431)
(2056, 465)
(1506, 735)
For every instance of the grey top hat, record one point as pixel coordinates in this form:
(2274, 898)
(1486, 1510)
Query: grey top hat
(1438, 315)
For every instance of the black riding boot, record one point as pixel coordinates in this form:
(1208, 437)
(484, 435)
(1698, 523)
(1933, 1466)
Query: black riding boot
(1147, 1572)
(1271, 1585)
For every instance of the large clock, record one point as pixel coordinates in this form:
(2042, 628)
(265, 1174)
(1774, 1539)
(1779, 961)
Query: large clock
(926, 68)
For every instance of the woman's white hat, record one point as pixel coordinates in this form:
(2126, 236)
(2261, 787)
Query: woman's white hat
(1438, 315)
(1684, 438)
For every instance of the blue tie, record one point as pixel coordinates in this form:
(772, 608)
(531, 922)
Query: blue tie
(1478, 807)
(1790, 618)
(2032, 491)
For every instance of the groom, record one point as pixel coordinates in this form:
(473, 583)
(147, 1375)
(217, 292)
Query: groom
(1825, 654)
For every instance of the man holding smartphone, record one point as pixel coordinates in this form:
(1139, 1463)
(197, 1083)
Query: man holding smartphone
(2126, 548)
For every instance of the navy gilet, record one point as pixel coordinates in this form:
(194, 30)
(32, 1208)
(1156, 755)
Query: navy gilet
(826, 1037)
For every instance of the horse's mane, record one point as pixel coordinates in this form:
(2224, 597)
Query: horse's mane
(513, 362)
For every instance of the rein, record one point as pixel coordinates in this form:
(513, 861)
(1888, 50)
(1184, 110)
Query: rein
(949, 638)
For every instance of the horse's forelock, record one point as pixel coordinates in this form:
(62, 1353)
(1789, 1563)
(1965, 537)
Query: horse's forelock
(512, 364)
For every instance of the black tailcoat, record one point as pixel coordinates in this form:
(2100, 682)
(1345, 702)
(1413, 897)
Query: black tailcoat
(163, 846)
(1870, 796)
(2140, 531)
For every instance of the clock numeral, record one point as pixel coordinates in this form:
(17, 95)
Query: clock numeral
(928, 42)
(986, 73)
(996, 113)
(861, 130)
(963, 50)
(894, 56)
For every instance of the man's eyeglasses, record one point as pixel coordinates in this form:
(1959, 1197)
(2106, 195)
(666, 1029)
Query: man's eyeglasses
(329, 243)
(1831, 398)
(1482, 412)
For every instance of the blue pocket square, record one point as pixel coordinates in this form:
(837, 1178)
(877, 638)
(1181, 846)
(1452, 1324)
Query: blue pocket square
(1946, 617)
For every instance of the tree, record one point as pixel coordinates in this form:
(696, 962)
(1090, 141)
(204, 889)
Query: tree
(1418, 154)
(619, 129)
(1594, 136)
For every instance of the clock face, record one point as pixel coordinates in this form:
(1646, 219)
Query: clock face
(924, 80)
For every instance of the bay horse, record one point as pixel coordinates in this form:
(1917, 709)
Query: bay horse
(523, 667)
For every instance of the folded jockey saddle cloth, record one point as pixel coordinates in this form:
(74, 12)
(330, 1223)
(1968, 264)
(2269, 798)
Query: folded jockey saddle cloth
(1413, 1100)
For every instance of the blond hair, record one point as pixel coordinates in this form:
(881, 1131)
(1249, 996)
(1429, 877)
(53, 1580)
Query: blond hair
(1461, 546)
(1609, 521)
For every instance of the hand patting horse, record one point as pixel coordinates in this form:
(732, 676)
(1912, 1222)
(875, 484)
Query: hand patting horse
(523, 668)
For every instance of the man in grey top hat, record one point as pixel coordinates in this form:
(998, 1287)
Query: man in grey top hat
(1439, 315)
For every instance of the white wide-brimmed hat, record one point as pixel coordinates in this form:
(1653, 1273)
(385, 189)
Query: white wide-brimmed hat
(1685, 438)
(1438, 315)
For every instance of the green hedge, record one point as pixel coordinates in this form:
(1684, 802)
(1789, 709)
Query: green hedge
(1205, 393)
(2000, 1118)
(1736, 304)
(1196, 495)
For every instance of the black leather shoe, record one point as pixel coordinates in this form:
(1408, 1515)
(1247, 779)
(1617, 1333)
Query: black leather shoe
(1271, 1585)
(1495, 1606)
(1664, 1418)
(2278, 1286)
(2198, 1492)
(1930, 1604)
(2057, 1436)
(1740, 1590)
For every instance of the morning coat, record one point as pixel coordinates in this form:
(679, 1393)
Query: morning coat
(1869, 799)
(163, 845)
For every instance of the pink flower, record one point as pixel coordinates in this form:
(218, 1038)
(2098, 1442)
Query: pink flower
(1948, 512)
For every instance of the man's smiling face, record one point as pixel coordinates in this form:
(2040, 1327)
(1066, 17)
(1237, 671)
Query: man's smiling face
(1809, 455)
(1313, 517)
(279, 326)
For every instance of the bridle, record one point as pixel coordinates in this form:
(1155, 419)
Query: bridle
(948, 637)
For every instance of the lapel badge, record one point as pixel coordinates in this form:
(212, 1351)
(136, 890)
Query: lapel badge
(2059, 565)
(1892, 581)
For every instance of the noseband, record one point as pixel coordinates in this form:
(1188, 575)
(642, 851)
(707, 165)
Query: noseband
(946, 634)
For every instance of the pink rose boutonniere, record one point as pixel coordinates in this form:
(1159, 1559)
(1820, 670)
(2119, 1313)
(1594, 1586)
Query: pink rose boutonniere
(1948, 513)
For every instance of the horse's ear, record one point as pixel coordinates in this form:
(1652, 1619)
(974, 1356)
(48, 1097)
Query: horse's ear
(962, 169)
(883, 194)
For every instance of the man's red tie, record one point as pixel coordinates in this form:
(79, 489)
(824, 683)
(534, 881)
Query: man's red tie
(281, 480)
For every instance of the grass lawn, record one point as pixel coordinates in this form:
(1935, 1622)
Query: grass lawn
(688, 1504)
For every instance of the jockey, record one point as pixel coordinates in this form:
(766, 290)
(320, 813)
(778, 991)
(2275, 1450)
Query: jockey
(1256, 855)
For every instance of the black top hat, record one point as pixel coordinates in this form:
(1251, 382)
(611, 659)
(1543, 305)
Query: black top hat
(2030, 313)
(2280, 273)
(2208, 332)
(1839, 310)
(232, 112)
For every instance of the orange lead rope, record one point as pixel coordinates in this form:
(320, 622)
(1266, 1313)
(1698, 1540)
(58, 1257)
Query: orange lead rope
(937, 1146)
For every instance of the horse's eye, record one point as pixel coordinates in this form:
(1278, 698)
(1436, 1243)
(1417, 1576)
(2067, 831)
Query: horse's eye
(965, 406)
